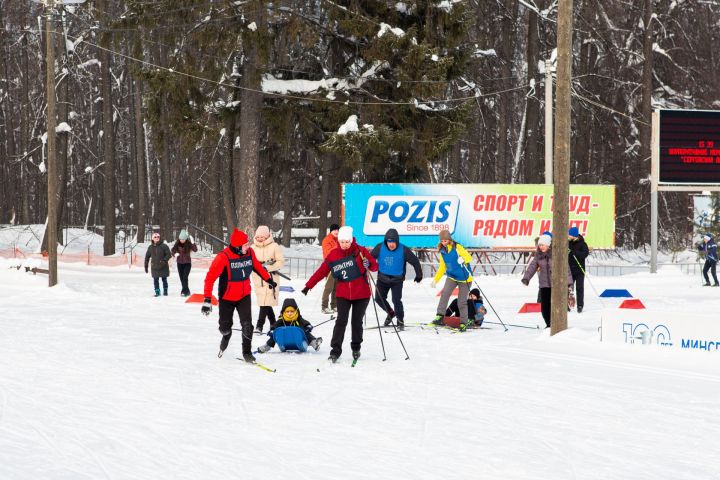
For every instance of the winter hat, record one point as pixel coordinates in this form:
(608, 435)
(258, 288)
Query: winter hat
(476, 292)
(445, 235)
(238, 238)
(345, 233)
(334, 227)
(183, 234)
(574, 232)
(545, 239)
(262, 231)
(549, 234)
(707, 237)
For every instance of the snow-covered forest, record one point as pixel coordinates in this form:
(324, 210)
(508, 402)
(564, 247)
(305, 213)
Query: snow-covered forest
(226, 112)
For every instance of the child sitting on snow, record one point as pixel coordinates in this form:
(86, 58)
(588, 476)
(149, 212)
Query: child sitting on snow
(290, 317)
(476, 309)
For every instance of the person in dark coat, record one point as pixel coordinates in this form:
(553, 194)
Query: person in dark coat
(290, 317)
(348, 263)
(157, 256)
(476, 309)
(578, 252)
(181, 250)
(542, 265)
(393, 257)
(710, 248)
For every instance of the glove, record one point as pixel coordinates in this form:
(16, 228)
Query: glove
(525, 281)
(146, 270)
(207, 307)
(305, 291)
(309, 328)
(418, 279)
(461, 261)
(366, 263)
(271, 283)
(433, 284)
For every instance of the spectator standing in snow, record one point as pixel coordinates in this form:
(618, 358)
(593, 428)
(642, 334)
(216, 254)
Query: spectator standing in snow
(578, 252)
(454, 262)
(710, 248)
(233, 266)
(348, 264)
(541, 264)
(157, 256)
(330, 243)
(270, 254)
(392, 257)
(182, 249)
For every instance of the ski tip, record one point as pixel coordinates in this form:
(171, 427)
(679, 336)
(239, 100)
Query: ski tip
(220, 354)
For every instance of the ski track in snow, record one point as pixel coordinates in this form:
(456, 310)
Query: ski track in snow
(98, 379)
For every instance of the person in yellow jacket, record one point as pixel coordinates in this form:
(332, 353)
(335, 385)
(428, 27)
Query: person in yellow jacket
(455, 264)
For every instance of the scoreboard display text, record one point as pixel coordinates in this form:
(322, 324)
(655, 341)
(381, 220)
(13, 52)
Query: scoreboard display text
(689, 147)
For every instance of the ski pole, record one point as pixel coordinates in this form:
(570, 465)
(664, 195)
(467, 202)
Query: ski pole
(486, 298)
(407, 356)
(332, 319)
(588, 277)
(376, 314)
(218, 239)
(513, 325)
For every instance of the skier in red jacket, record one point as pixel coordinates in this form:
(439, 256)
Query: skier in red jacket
(348, 264)
(234, 265)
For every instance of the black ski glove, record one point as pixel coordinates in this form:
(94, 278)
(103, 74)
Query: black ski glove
(525, 281)
(305, 291)
(207, 306)
(271, 283)
(418, 279)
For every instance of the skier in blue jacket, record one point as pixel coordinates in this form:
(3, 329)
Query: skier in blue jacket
(392, 257)
(710, 248)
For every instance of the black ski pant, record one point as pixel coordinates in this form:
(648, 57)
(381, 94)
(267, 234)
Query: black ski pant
(265, 312)
(711, 266)
(545, 296)
(156, 283)
(356, 324)
(381, 294)
(184, 273)
(227, 310)
(579, 281)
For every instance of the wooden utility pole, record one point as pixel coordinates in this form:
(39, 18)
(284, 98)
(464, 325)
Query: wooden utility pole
(562, 169)
(52, 220)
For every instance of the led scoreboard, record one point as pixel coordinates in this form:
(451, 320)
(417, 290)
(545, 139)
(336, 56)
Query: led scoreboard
(689, 147)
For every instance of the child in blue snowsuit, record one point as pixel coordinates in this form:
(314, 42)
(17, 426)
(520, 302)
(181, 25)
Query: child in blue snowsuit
(476, 309)
(290, 317)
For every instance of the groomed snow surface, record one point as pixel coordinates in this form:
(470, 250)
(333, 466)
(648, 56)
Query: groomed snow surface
(99, 380)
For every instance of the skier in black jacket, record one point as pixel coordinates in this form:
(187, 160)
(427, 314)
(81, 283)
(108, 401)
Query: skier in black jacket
(576, 258)
(392, 257)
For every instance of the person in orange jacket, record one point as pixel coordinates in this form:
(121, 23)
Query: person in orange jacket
(233, 266)
(329, 244)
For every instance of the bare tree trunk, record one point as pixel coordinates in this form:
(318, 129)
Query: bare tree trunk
(532, 166)
(108, 154)
(164, 167)
(226, 176)
(141, 207)
(643, 166)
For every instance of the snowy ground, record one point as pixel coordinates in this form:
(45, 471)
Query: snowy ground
(98, 379)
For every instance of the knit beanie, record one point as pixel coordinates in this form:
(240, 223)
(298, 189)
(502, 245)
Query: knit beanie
(345, 233)
(262, 231)
(707, 237)
(574, 232)
(183, 234)
(545, 239)
(238, 238)
(334, 227)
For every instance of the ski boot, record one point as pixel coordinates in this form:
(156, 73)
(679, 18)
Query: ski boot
(356, 354)
(389, 318)
(264, 348)
(438, 320)
(706, 284)
(316, 343)
(224, 342)
(165, 292)
(327, 311)
(157, 292)
(333, 358)
(248, 357)
(579, 309)
(400, 325)
(258, 331)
